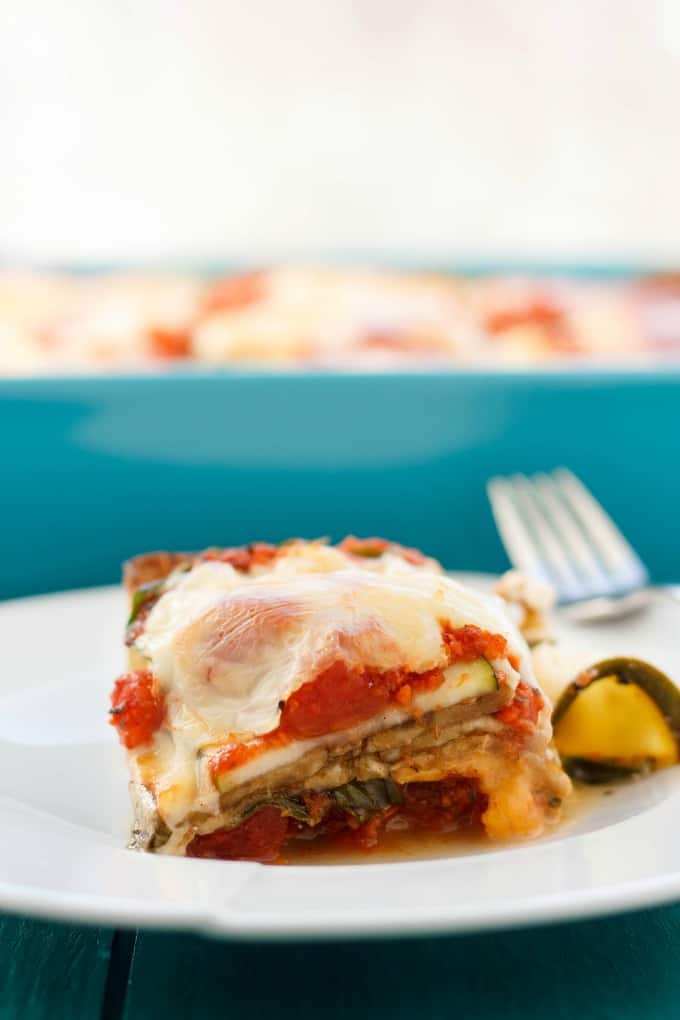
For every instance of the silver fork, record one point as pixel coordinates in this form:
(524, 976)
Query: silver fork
(554, 529)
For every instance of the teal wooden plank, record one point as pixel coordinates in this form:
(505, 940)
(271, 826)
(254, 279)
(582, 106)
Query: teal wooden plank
(51, 971)
(616, 969)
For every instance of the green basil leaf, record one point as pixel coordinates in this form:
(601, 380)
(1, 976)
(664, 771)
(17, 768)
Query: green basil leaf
(368, 798)
(154, 589)
(362, 800)
(291, 807)
(144, 594)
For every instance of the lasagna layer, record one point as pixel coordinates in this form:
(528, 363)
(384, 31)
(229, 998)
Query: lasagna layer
(275, 693)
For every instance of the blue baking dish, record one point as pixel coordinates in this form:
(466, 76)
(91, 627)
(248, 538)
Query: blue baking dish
(96, 469)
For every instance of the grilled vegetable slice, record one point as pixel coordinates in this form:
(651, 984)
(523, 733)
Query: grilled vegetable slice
(362, 800)
(619, 717)
(290, 807)
(481, 678)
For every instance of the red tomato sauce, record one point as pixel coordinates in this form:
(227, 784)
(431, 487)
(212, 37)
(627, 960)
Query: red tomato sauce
(244, 557)
(235, 754)
(169, 343)
(372, 548)
(344, 696)
(540, 311)
(137, 708)
(339, 698)
(467, 643)
(522, 712)
(446, 806)
(259, 838)
(234, 292)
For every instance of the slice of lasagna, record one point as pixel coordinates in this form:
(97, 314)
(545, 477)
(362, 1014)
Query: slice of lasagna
(301, 691)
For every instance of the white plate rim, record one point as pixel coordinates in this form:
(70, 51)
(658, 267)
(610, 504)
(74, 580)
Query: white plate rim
(229, 921)
(520, 913)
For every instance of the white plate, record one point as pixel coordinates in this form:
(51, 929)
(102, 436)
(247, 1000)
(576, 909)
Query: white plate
(64, 816)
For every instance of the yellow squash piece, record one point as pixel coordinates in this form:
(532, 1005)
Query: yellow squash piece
(617, 723)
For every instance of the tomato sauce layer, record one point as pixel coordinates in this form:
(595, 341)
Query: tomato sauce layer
(344, 696)
(338, 699)
(259, 838)
(446, 806)
(137, 708)
(521, 714)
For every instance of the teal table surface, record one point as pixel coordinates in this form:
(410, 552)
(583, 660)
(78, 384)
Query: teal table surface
(614, 969)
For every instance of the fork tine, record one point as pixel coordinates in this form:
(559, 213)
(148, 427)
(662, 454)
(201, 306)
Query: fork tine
(615, 552)
(558, 564)
(579, 550)
(518, 542)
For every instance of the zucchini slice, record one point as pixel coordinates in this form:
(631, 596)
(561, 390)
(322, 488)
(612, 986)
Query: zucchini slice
(620, 717)
(479, 677)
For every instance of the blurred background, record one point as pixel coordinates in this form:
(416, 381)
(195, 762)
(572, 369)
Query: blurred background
(164, 133)
(161, 131)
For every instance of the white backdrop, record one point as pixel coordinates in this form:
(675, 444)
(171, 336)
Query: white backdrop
(160, 129)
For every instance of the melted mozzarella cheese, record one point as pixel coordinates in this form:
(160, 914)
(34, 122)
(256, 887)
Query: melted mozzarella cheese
(234, 647)
(183, 782)
(229, 649)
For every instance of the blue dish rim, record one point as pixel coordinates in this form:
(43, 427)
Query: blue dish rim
(578, 374)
